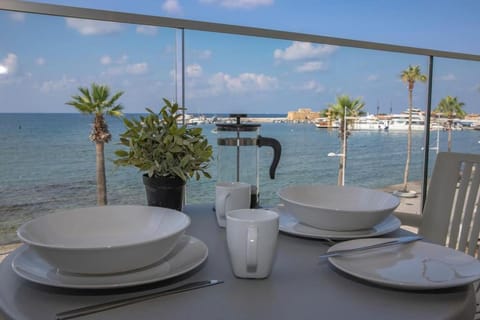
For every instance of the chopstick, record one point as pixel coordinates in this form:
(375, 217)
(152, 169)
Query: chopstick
(75, 313)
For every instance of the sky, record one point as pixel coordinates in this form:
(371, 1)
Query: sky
(44, 59)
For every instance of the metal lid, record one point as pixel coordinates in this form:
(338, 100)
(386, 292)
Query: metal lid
(238, 126)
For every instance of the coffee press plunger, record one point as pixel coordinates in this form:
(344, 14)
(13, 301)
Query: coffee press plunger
(238, 155)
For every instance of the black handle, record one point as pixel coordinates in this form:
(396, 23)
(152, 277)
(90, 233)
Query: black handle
(277, 152)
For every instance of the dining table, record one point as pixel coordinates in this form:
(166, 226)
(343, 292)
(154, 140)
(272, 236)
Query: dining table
(300, 286)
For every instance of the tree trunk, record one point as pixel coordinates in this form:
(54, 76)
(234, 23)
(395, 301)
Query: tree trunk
(101, 180)
(409, 140)
(449, 135)
(340, 171)
(341, 163)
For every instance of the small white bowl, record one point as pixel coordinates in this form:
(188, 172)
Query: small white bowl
(105, 239)
(338, 208)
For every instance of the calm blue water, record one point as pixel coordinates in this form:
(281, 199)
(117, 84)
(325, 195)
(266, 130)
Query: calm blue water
(48, 163)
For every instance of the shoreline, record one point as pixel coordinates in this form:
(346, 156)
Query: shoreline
(308, 121)
(407, 205)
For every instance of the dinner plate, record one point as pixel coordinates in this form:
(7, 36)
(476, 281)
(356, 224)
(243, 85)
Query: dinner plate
(415, 266)
(290, 225)
(187, 254)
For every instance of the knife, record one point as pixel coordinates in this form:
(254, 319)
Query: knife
(75, 313)
(341, 252)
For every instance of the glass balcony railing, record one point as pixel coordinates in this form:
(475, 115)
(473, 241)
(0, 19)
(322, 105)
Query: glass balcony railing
(48, 163)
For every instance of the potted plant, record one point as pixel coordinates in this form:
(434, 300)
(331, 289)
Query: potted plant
(167, 152)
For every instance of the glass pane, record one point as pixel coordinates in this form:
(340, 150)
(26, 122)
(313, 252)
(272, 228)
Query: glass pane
(47, 160)
(276, 79)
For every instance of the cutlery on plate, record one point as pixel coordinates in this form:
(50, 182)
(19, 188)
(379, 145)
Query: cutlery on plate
(75, 313)
(341, 252)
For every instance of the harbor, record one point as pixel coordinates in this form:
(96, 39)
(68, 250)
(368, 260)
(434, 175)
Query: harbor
(384, 122)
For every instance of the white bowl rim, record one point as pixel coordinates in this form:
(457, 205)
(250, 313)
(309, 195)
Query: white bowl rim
(279, 193)
(60, 247)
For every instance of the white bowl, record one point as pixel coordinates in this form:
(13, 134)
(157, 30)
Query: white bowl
(106, 239)
(338, 208)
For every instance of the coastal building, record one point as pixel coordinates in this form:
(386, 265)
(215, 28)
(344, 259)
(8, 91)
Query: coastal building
(302, 114)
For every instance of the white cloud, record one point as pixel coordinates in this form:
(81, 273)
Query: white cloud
(122, 60)
(132, 69)
(448, 77)
(106, 59)
(109, 60)
(18, 16)
(244, 82)
(372, 77)
(303, 50)
(311, 66)
(137, 68)
(312, 85)
(93, 27)
(120, 66)
(242, 4)
(147, 30)
(205, 54)
(171, 7)
(55, 85)
(194, 70)
(40, 61)
(9, 64)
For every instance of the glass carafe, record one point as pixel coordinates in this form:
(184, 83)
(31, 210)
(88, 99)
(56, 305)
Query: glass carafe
(238, 154)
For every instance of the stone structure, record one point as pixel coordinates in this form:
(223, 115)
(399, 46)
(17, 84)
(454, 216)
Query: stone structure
(303, 114)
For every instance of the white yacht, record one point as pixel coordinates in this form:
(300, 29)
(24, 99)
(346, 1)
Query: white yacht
(400, 121)
(369, 122)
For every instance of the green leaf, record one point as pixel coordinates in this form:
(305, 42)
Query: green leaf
(158, 146)
(121, 153)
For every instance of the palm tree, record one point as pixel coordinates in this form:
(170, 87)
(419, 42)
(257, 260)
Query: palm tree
(450, 107)
(97, 101)
(410, 76)
(344, 107)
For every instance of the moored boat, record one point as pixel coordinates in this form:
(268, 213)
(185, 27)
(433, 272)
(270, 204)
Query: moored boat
(369, 122)
(400, 121)
(325, 123)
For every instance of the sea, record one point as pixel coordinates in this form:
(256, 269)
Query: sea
(47, 163)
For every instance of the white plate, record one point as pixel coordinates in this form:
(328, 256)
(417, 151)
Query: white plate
(188, 253)
(415, 266)
(290, 225)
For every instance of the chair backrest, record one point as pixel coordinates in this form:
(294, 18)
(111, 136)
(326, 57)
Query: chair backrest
(451, 215)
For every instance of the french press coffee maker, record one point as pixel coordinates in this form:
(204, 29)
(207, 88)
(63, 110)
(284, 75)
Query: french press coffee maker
(238, 154)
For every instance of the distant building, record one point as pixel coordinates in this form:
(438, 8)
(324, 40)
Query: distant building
(473, 116)
(302, 114)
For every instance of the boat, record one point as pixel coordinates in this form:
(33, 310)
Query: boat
(399, 122)
(369, 122)
(198, 120)
(326, 123)
(191, 120)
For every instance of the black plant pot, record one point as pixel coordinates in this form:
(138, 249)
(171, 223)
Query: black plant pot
(167, 192)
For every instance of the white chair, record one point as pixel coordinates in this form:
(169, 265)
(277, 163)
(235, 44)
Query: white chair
(451, 215)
